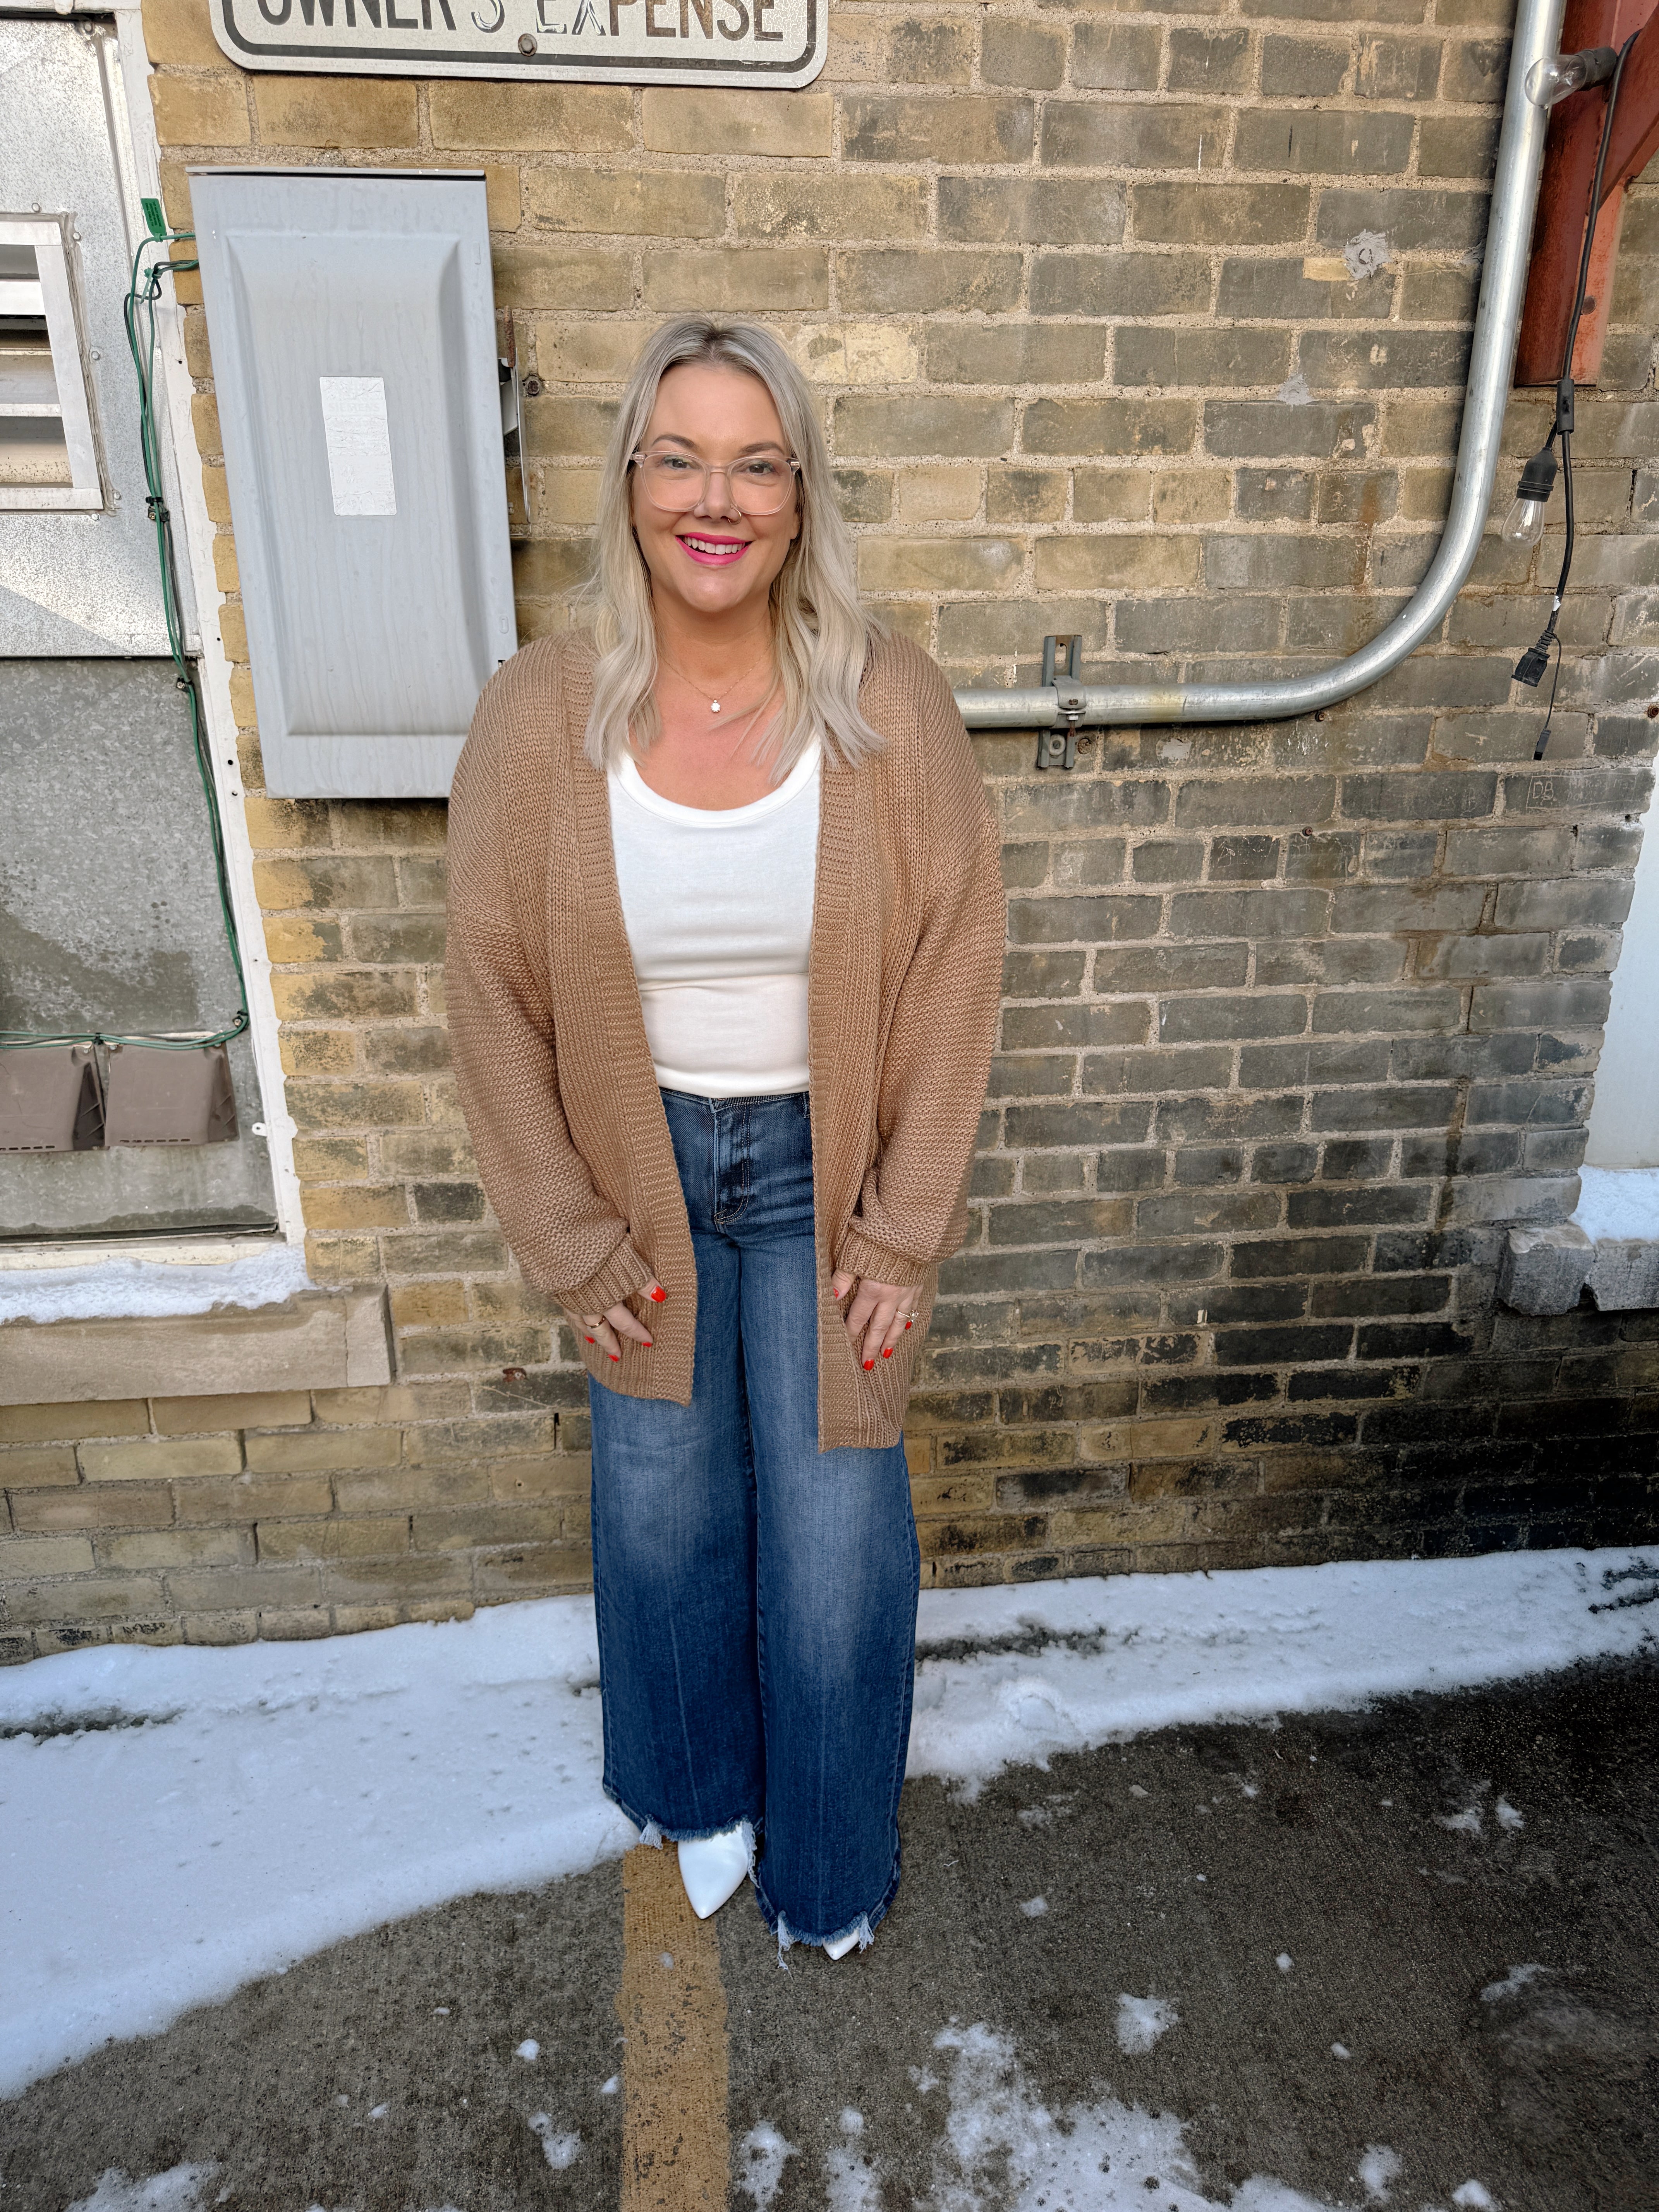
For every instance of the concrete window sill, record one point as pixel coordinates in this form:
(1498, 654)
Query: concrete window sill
(1610, 1248)
(313, 1340)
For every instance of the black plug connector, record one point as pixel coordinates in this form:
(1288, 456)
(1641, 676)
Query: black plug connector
(1529, 669)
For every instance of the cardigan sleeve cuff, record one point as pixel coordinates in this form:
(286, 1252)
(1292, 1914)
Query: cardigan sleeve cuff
(861, 1256)
(622, 1273)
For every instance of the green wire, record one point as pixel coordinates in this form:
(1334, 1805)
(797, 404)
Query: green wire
(141, 306)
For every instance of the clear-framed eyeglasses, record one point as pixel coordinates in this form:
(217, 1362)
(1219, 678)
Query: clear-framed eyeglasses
(760, 483)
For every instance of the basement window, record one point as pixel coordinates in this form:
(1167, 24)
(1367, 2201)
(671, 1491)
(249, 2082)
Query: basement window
(48, 455)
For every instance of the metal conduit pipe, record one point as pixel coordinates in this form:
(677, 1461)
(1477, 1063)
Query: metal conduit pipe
(1509, 236)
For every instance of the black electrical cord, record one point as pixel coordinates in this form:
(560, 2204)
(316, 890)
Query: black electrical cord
(1529, 669)
(138, 313)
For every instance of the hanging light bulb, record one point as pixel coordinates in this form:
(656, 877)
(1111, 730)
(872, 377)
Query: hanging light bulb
(1524, 523)
(1563, 74)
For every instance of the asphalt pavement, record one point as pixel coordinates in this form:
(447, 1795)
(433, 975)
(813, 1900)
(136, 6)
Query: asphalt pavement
(1401, 1958)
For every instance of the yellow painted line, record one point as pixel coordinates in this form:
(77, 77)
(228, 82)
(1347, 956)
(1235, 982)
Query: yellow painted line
(676, 2150)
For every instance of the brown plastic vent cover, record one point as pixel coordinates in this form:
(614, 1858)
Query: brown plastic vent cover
(50, 1098)
(169, 1095)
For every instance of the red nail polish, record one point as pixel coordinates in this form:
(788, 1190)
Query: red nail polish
(588, 1339)
(868, 1364)
(658, 1295)
(649, 1344)
(616, 1355)
(887, 1351)
(906, 1324)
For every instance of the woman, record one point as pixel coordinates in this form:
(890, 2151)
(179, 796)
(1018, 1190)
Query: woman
(725, 930)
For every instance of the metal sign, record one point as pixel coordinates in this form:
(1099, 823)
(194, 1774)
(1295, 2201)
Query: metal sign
(736, 42)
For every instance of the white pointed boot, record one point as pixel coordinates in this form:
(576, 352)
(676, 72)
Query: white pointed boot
(715, 1867)
(842, 1945)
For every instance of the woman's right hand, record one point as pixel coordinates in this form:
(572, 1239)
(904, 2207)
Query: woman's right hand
(604, 1329)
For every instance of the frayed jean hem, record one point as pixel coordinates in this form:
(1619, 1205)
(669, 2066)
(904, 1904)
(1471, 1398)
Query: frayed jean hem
(863, 1924)
(655, 1834)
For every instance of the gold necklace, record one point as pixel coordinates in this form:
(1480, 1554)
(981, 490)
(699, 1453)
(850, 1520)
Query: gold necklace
(714, 703)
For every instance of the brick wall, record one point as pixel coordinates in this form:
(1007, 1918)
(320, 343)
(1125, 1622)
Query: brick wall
(1298, 1016)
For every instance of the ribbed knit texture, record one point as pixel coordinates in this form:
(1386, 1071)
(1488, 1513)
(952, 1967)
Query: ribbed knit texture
(555, 1075)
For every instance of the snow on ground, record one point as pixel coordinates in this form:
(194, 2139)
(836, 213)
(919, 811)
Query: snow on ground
(174, 1822)
(763, 2152)
(1618, 1202)
(1016, 1674)
(1140, 2022)
(1002, 2148)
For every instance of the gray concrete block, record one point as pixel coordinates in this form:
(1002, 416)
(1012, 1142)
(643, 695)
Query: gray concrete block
(1543, 1271)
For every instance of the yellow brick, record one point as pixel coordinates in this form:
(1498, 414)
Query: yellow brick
(336, 111)
(241, 699)
(855, 353)
(232, 631)
(226, 573)
(360, 1536)
(91, 1508)
(204, 419)
(181, 31)
(532, 117)
(332, 1159)
(548, 273)
(1149, 1440)
(503, 201)
(322, 1448)
(55, 1424)
(650, 202)
(177, 1547)
(567, 495)
(688, 120)
(429, 1305)
(200, 110)
(1190, 496)
(367, 1205)
(275, 825)
(319, 1052)
(22, 1556)
(176, 206)
(938, 494)
(288, 937)
(392, 1401)
(155, 1460)
(32, 1468)
(341, 1259)
(590, 352)
(243, 1500)
(805, 204)
(264, 1409)
(216, 494)
(198, 358)
(552, 1474)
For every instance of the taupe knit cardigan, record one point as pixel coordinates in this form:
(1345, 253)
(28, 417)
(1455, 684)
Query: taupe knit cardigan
(555, 1075)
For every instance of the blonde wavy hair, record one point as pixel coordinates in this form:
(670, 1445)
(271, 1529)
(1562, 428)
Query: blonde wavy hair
(820, 632)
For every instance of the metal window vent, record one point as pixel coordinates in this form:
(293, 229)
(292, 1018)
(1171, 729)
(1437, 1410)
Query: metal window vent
(50, 1099)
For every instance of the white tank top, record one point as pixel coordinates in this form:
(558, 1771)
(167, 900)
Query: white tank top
(719, 911)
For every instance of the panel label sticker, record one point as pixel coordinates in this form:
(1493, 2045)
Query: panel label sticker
(744, 42)
(359, 445)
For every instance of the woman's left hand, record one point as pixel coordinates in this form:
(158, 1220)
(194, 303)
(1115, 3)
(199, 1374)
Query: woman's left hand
(879, 1314)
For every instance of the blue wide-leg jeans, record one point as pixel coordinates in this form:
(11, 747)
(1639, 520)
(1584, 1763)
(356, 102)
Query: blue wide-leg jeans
(755, 1597)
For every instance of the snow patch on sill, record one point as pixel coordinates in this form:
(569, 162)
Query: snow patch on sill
(1618, 1202)
(118, 1289)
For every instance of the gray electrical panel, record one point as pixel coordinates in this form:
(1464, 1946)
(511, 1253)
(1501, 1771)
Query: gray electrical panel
(352, 324)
